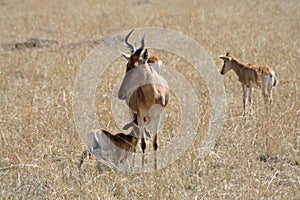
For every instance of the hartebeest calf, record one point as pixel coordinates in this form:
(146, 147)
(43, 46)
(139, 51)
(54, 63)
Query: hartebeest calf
(112, 148)
(145, 91)
(248, 75)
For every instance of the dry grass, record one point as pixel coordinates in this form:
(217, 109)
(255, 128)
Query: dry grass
(40, 147)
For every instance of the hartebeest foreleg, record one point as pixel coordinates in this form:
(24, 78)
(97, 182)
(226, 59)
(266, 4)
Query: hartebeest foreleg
(156, 123)
(245, 98)
(141, 124)
(250, 99)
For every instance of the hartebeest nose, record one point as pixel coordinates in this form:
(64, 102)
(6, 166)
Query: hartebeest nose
(222, 72)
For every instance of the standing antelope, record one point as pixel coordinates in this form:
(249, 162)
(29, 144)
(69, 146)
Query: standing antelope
(145, 91)
(248, 75)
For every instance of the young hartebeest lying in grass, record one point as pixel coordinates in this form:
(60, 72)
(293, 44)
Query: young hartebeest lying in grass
(112, 148)
(248, 75)
(145, 91)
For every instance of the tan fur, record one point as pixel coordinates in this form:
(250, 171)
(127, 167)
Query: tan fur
(153, 59)
(123, 141)
(108, 146)
(146, 96)
(246, 73)
(249, 76)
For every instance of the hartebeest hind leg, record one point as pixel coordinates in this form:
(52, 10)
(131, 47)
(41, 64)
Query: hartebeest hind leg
(155, 113)
(245, 98)
(267, 94)
(155, 145)
(143, 146)
(141, 124)
(250, 99)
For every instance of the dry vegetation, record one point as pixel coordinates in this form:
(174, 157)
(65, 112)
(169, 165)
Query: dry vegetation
(254, 158)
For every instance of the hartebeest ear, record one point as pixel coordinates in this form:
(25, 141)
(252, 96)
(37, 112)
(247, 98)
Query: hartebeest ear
(145, 56)
(225, 58)
(125, 55)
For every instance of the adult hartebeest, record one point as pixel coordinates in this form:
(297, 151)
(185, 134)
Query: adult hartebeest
(145, 91)
(248, 75)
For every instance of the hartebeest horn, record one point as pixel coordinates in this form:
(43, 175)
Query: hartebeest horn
(140, 50)
(228, 53)
(131, 46)
(143, 42)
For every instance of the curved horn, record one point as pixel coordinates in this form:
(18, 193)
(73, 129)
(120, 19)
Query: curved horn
(143, 42)
(228, 53)
(131, 46)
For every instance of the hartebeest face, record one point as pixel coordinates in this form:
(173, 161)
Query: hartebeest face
(135, 58)
(227, 66)
(139, 57)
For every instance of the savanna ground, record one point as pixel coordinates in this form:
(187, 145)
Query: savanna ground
(255, 157)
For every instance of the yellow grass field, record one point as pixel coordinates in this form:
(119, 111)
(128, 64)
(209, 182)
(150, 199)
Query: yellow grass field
(254, 157)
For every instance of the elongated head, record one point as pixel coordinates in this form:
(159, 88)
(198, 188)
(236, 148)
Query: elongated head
(138, 56)
(227, 65)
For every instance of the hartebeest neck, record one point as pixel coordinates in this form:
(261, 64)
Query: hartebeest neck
(238, 68)
(121, 140)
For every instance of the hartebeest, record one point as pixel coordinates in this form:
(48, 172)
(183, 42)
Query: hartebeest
(112, 148)
(249, 76)
(145, 91)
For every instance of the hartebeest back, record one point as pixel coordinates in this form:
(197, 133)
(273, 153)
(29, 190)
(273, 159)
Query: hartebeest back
(145, 91)
(249, 75)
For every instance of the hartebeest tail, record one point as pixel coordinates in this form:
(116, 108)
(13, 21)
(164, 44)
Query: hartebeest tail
(249, 76)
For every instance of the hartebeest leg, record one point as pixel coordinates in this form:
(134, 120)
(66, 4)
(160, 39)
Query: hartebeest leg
(133, 158)
(270, 91)
(245, 96)
(250, 99)
(141, 123)
(155, 113)
(143, 146)
(156, 123)
(100, 166)
(265, 93)
(155, 146)
(83, 156)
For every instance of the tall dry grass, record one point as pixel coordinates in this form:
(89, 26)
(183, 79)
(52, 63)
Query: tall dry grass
(254, 157)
